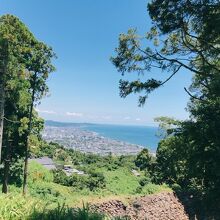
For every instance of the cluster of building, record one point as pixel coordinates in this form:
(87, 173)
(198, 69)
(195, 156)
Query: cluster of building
(49, 164)
(88, 141)
(68, 169)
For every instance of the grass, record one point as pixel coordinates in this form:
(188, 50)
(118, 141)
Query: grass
(49, 193)
(16, 207)
(44, 196)
(13, 207)
(63, 212)
(121, 182)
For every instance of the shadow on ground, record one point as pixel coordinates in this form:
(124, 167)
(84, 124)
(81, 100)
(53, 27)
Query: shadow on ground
(197, 207)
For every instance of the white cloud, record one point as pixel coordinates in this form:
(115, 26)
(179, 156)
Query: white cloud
(74, 114)
(138, 119)
(45, 111)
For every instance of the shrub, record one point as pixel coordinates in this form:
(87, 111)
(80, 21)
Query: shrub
(96, 180)
(152, 188)
(60, 177)
(79, 182)
(37, 172)
(49, 192)
(15, 174)
(138, 190)
(144, 181)
(16, 207)
(143, 159)
(63, 212)
(91, 181)
(176, 187)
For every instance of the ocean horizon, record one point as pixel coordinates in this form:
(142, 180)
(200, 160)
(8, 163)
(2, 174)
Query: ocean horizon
(145, 136)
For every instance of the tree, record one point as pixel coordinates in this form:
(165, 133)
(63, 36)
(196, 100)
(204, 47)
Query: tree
(14, 144)
(39, 66)
(185, 36)
(25, 66)
(143, 159)
(15, 110)
(14, 41)
(180, 42)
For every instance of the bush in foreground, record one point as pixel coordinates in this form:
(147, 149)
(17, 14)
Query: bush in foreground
(63, 212)
(13, 207)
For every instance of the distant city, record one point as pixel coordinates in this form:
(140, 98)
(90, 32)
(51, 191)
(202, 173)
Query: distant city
(88, 141)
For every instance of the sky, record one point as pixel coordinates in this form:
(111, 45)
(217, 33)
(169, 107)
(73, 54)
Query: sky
(84, 35)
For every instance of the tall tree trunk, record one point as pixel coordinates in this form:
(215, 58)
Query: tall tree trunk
(6, 175)
(2, 106)
(3, 67)
(26, 167)
(7, 161)
(6, 168)
(27, 151)
(27, 137)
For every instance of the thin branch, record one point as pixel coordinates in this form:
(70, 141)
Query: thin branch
(194, 97)
(201, 39)
(180, 63)
(178, 68)
(11, 120)
(203, 84)
(190, 46)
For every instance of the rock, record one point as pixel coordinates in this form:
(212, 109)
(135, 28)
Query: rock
(163, 206)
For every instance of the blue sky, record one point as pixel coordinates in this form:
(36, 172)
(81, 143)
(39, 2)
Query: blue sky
(84, 34)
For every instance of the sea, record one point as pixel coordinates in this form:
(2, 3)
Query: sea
(145, 136)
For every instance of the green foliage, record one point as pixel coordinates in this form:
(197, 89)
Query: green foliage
(16, 207)
(60, 177)
(143, 159)
(166, 125)
(79, 182)
(85, 162)
(92, 180)
(172, 160)
(15, 175)
(85, 213)
(121, 181)
(183, 36)
(96, 180)
(152, 188)
(98, 183)
(104, 175)
(48, 192)
(25, 64)
(144, 181)
(47, 149)
(37, 173)
(63, 212)
(187, 158)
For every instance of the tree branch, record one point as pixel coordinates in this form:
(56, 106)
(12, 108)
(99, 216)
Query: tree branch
(194, 97)
(178, 68)
(11, 120)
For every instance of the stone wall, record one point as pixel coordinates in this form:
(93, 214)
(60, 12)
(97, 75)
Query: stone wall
(162, 206)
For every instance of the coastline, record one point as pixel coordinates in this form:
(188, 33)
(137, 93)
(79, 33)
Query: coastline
(88, 141)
